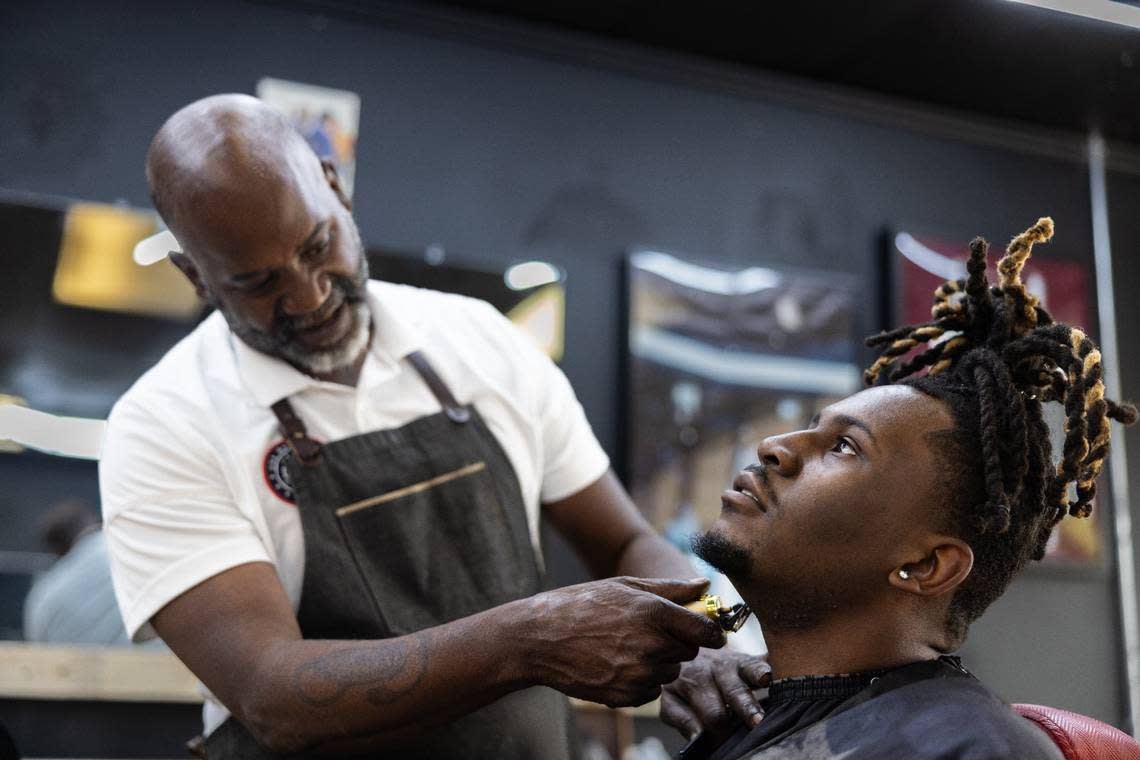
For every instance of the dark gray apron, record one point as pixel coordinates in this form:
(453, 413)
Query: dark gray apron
(406, 529)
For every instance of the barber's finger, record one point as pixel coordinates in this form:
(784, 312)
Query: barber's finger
(676, 713)
(756, 672)
(689, 626)
(674, 589)
(707, 703)
(738, 696)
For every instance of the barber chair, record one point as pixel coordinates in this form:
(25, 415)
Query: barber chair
(1081, 737)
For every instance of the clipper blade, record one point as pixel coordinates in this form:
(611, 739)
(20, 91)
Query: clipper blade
(731, 619)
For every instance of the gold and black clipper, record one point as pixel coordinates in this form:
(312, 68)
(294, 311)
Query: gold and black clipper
(731, 619)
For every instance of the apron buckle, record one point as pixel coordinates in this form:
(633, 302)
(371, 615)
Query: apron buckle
(458, 414)
(305, 449)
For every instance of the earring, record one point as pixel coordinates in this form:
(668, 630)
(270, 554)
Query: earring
(904, 574)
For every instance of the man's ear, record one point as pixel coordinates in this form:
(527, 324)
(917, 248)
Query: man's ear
(333, 179)
(186, 266)
(946, 563)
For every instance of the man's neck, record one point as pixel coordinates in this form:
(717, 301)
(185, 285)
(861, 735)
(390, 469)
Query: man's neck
(348, 375)
(845, 645)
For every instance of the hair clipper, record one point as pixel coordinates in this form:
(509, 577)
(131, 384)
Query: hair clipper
(731, 619)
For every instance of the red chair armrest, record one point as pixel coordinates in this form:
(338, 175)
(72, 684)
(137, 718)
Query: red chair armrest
(1080, 737)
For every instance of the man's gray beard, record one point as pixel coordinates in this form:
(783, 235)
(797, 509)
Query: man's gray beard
(317, 361)
(326, 361)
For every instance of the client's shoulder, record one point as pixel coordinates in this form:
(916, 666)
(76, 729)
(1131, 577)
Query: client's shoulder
(955, 717)
(938, 718)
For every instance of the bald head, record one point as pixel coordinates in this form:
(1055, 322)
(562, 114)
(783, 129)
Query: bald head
(225, 150)
(266, 233)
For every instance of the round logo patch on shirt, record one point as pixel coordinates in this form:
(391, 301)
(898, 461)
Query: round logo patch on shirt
(277, 474)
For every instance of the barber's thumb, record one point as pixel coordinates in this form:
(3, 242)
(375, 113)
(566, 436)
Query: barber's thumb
(675, 589)
(693, 627)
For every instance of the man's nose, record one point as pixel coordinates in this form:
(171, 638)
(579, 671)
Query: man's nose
(308, 292)
(779, 456)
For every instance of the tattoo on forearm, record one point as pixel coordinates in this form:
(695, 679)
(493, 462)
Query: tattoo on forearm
(389, 672)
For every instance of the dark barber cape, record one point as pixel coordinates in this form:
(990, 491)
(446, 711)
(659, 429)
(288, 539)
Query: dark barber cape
(923, 711)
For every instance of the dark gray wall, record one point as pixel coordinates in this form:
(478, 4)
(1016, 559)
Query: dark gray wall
(501, 156)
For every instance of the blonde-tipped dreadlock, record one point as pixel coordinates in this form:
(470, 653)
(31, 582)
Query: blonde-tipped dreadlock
(994, 355)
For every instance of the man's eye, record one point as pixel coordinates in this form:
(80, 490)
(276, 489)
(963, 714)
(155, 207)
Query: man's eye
(843, 446)
(258, 287)
(318, 251)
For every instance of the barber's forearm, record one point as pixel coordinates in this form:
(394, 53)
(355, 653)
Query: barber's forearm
(648, 555)
(330, 695)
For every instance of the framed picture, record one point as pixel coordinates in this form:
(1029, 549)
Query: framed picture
(328, 119)
(918, 264)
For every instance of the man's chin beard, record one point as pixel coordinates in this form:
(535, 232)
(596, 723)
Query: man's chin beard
(313, 362)
(779, 605)
(327, 361)
(729, 558)
(316, 362)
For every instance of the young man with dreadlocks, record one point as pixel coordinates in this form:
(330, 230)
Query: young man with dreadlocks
(867, 543)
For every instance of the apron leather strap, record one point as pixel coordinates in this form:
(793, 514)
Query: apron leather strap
(304, 448)
(308, 451)
(455, 411)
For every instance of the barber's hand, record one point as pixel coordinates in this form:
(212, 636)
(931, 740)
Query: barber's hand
(615, 641)
(714, 693)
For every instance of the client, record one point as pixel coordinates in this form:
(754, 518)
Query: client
(868, 543)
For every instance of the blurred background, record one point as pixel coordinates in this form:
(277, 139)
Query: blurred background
(686, 208)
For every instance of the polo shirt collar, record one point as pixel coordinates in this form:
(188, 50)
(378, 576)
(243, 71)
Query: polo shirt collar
(394, 336)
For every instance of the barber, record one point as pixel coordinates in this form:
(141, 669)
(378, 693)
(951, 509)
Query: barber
(326, 498)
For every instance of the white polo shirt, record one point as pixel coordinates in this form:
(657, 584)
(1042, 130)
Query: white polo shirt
(182, 473)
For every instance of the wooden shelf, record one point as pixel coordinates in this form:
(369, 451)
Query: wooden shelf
(37, 671)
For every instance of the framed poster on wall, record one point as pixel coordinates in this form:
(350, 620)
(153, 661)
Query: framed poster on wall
(328, 119)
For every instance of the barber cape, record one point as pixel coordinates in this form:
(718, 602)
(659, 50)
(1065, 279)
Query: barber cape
(923, 711)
